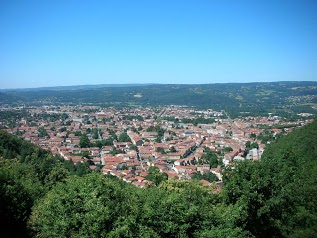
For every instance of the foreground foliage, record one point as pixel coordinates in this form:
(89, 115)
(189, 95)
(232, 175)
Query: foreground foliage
(94, 206)
(278, 194)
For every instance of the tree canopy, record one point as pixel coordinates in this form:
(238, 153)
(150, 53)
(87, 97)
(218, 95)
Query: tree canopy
(275, 195)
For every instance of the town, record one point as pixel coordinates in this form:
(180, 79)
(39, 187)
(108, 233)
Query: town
(145, 145)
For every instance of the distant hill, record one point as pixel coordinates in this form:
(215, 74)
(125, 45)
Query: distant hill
(281, 98)
(74, 87)
(9, 98)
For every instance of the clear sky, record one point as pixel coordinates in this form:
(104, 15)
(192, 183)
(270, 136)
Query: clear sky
(60, 42)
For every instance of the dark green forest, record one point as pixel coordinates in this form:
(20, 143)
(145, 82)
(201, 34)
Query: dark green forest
(285, 99)
(44, 196)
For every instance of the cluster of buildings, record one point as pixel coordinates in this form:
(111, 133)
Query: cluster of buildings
(157, 137)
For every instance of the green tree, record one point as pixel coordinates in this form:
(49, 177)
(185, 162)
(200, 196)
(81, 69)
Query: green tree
(99, 144)
(254, 145)
(123, 137)
(88, 206)
(210, 157)
(133, 147)
(248, 145)
(19, 189)
(84, 141)
(95, 133)
(227, 149)
(62, 129)
(160, 150)
(58, 174)
(82, 168)
(42, 132)
(78, 133)
(156, 176)
(209, 176)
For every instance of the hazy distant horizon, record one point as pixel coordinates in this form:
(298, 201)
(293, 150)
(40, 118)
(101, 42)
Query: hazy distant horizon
(65, 43)
(144, 84)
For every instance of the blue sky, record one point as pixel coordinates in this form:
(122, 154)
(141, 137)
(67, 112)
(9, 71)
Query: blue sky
(60, 42)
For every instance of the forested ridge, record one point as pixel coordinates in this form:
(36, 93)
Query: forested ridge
(280, 98)
(44, 196)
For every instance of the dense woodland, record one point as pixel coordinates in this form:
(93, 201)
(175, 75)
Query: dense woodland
(285, 99)
(44, 196)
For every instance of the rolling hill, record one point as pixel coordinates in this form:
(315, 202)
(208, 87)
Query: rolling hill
(281, 98)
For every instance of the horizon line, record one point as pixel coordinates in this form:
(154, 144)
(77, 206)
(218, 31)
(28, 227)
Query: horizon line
(144, 84)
